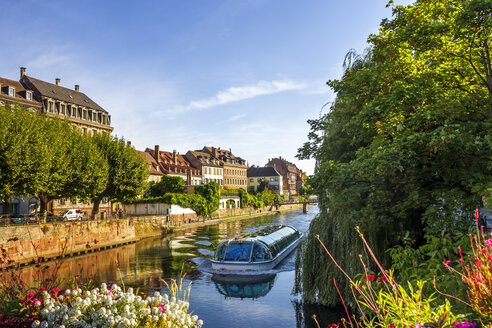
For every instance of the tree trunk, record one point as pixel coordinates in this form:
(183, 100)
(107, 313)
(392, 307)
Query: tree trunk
(6, 210)
(43, 207)
(95, 207)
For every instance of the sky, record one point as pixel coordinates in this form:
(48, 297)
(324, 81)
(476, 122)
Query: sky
(244, 75)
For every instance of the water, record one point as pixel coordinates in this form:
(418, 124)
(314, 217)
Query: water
(261, 300)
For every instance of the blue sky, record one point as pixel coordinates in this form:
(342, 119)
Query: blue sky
(183, 74)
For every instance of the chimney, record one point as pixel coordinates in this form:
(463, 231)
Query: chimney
(57, 81)
(22, 72)
(214, 152)
(174, 156)
(77, 88)
(156, 154)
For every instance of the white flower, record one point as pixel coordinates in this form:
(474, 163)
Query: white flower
(35, 324)
(67, 292)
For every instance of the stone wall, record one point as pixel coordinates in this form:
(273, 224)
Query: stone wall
(25, 243)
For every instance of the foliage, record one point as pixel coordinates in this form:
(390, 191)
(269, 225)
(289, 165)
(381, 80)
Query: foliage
(426, 263)
(261, 199)
(386, 303)
(167, 184)
(204, 203)
(476, 273)
(127, 171)
(47, 158)
(406, 145)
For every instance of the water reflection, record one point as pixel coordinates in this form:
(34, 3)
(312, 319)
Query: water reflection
(243, 286)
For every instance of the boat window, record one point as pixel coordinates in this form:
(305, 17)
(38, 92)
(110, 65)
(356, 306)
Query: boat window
(260, 253)
(219, 253)
(238, 251)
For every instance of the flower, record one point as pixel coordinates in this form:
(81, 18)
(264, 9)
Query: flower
(162, 307)
(370, 277)
(30, 295)
(488, 241)
(465, 324)
(382, 279)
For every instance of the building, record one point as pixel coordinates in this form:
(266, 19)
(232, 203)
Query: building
(13, 92)
(267, 176)
(176, 165)
(235, 170)
(155, 173)
(77, 107)
(210, 167)
(288, 171)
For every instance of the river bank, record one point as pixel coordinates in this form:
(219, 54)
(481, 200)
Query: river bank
(151, 226)
(29, 244)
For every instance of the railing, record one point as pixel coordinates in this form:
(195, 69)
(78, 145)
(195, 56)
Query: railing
(24, 219)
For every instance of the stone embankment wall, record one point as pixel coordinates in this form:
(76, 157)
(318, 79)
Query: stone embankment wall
(29, 242)
(24, 243)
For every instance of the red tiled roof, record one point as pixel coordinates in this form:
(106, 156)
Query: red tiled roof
(151, 162)
(169, 166)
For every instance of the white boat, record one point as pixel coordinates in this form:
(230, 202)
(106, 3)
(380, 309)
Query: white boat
(259, 251)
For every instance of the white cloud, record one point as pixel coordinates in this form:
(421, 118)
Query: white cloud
(236, 117)
(234, 94)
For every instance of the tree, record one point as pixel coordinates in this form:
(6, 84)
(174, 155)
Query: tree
(127, 171)
(211, 193)
(18, 132)
(406, 146)
(167, 184)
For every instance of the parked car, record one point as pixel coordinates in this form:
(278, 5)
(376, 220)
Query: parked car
(73, 214)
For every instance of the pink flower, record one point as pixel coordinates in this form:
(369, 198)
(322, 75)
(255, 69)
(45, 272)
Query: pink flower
(42, 289)
(488, 241)
(446, 263)
(162, 308)
(392, 325)
(476, 214)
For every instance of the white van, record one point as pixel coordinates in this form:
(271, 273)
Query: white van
(73, 214)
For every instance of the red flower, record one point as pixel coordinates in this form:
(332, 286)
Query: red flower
(382, 279)
(370, 277)
(30, 295)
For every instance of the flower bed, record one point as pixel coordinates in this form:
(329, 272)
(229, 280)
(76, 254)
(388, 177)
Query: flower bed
(111, 306)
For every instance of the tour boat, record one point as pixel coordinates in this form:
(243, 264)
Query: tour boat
(261, 250)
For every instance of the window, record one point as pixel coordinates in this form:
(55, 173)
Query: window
(11, 92)
(62, 109)
(251, 180)
(50, 107)
(84, 131)
(28, 95)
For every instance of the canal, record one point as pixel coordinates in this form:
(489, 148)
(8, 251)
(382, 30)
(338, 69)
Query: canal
(262, 300)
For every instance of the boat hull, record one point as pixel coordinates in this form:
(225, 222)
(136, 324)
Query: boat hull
(255, 266)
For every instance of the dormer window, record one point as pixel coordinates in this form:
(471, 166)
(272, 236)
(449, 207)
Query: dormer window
(11, 92)
(28, 95)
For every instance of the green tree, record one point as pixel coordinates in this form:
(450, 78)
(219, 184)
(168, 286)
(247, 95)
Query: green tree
(52, 157)
(211, 193)
(18, 142)
(406, 146)
(167, 184)
(127, 171)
